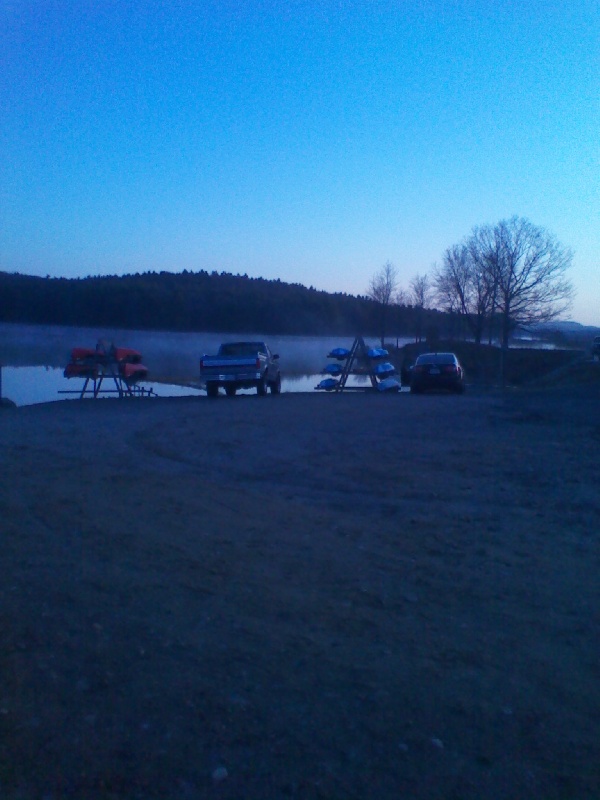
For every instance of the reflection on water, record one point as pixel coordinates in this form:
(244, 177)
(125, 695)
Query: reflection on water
(28, 385)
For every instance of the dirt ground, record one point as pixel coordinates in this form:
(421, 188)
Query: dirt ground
(304, 596)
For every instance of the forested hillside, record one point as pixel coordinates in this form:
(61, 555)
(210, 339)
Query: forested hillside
(195, 301)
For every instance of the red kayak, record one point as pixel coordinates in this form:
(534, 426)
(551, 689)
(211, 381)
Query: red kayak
(83, 354)
(125, 355)
(83, 364)
(79, 369)
(132, 373)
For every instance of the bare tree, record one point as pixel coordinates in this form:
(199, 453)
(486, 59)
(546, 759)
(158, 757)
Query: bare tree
(421, 295)
(400, 298)
(420, 291)
(462, 286)
(524, 267)
(382, 290)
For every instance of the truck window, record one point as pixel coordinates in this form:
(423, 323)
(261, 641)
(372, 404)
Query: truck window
(242, 348)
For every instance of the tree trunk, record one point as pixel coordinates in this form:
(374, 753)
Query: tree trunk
(383, 323)
(505, 330)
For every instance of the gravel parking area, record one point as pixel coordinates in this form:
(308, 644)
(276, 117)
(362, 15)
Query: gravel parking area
(306, 596)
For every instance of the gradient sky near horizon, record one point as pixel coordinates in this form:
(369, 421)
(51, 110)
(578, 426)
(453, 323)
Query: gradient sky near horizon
(306, 141)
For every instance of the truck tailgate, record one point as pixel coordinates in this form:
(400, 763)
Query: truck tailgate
(222, 362)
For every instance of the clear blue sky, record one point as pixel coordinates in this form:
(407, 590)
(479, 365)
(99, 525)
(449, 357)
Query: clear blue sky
(306, 141)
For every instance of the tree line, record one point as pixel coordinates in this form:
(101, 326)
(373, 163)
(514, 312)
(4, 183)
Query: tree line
(194, 301)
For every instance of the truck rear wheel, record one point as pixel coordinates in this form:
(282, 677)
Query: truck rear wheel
(230, 391)
(212, 390)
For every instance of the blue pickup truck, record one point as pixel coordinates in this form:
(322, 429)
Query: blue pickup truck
(241, 365)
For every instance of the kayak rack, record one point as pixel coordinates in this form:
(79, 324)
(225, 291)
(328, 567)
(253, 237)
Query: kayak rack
(359, 360)
(120, 367)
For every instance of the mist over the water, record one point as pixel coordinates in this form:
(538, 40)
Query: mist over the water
(169, 356)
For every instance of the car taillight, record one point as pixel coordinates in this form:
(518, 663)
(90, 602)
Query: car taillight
(418, 368)
(450, 368)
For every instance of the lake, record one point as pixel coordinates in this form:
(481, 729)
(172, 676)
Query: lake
(34, 357)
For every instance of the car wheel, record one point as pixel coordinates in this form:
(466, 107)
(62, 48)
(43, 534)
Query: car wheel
(261, 386)
(230, 391)
(212, 390)
(276, 386)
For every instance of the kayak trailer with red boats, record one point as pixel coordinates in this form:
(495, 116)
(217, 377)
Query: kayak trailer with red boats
(121, 367)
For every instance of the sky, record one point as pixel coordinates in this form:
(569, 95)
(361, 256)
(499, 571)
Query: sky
(307, 141)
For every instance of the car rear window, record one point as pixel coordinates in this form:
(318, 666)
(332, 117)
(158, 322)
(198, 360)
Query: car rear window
(436, 358)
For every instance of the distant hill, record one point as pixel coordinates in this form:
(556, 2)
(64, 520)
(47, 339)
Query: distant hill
(567, 334)
(569, 326)
(198, 301)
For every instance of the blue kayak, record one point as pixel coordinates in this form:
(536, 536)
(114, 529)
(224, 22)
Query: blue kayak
(327, 384)
(333, 369)
(377, 352)
(384, 369)
(389, 385)
(339, 352)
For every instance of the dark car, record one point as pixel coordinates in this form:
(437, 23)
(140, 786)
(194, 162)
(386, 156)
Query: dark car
(437, 371)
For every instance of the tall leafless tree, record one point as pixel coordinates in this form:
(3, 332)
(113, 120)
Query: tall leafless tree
(525, 267)
(382, 290)
(462, 286)
(514, 271)
(420, 295)
(421, 291)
